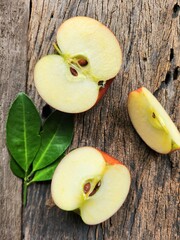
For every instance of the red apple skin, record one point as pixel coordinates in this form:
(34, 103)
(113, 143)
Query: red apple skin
(139, 90)
(109, 159)
(103, 90)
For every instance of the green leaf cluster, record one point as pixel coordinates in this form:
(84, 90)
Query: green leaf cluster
(36, 148)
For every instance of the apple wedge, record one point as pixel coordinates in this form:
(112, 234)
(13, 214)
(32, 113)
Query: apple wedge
(89, 55)
(152, 122)
(91, 182)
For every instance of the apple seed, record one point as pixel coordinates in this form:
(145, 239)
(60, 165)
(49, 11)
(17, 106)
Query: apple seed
(87, 187)
(73, 72)
(95, 189)
(83, 62)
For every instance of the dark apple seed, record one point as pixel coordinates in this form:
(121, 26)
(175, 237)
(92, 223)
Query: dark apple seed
(87, 187)
(83, 62)
(95, 189)
(73, 72)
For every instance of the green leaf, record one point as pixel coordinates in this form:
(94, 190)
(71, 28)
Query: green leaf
(56, 137)
(46, 173)
(22, 131)
(16, 169)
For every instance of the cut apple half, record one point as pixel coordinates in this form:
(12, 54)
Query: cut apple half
(152, 122)
(89, 54)
(92, 182)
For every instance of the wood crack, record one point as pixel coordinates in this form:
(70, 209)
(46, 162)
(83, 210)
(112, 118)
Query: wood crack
(136, 204)
(176, 10)
(171, 74)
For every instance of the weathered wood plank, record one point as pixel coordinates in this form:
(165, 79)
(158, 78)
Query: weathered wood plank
(13, 48)
(148, 33)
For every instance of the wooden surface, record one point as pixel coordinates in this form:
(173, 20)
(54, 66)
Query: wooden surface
(149, 34)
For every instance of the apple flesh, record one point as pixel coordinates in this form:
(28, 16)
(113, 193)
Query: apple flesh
(152, 122)
(89, 53)
(91, 181)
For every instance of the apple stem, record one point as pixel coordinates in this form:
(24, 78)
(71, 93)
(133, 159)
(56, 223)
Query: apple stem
(102, 84)
(57, 49)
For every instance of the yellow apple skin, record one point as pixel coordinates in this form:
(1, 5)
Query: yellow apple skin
(152, 122)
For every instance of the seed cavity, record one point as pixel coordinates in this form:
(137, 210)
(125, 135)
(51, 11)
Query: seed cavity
(87, 187)
(95, 189)
(153, 115)
(73, 72)
(82, 62)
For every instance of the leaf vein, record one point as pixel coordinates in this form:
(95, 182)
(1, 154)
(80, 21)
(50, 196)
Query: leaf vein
(46, 149)
(25, 137)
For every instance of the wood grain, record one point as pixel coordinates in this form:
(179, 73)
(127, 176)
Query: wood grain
(149, 35)
(13, 56)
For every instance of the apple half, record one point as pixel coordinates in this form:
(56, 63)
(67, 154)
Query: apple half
(91, 182)
(152, 122)
(89, 55)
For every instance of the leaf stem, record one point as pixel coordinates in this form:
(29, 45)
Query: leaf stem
(30, 174)
(28, 183)
(25, 185)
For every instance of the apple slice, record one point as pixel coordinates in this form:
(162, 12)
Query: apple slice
(91, 181)
(152, 122)
(89, 54)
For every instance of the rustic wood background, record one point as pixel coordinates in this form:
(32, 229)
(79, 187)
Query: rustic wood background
(149, 33)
